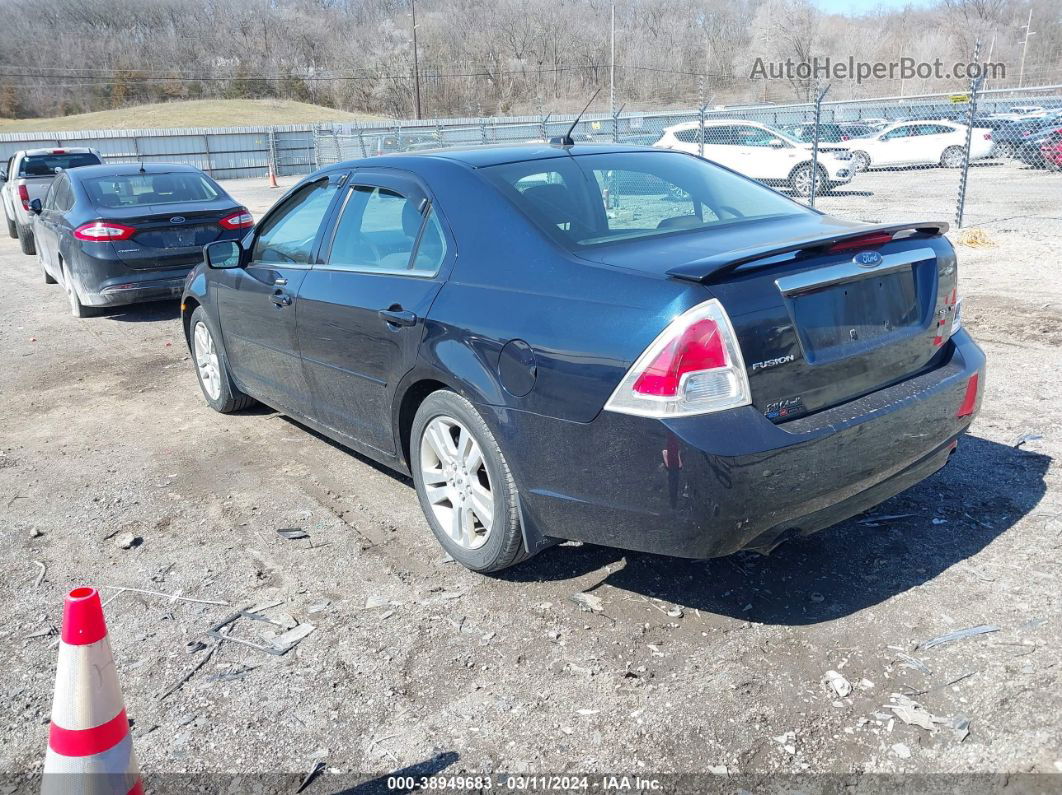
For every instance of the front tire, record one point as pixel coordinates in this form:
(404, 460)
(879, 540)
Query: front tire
(25, 239)
(211, 368)
(464, 484)
(860, 161)
(800, 181)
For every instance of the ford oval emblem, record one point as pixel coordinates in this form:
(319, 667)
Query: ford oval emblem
(867, 259)
(177, 219)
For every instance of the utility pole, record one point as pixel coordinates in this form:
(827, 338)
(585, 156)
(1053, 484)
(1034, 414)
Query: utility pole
(416, 63)
(612, 64)
(1024, 49)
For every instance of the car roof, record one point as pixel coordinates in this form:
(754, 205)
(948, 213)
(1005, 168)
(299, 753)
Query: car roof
(124, 169)
(495, 154)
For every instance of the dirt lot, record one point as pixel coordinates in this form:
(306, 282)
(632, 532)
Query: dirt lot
(691, 666)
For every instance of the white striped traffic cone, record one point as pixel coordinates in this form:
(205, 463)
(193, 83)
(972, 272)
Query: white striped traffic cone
(90, 750)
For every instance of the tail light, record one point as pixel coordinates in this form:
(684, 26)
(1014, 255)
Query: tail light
(844, 137)
(58, 151)
(693, 367)
(103, 231)
(23, 195)
(988, 136)
(241, 219)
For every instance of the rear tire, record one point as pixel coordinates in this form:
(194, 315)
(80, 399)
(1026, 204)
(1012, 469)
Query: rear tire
(12, 230)
(469, 478)
(952, 157)
(211, 367)
(25, 239)
(77, 309)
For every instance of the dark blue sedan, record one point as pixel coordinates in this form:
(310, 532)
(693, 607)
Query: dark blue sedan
(617, 345)
(125, 233)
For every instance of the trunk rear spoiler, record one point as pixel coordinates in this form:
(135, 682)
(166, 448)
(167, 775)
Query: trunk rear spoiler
(707, 269)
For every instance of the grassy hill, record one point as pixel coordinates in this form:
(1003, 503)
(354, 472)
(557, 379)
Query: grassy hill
(193, 113)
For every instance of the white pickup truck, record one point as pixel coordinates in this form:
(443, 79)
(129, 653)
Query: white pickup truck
(27, 176)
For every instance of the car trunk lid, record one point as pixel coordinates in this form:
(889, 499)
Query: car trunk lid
(169, 236)
(823, 319)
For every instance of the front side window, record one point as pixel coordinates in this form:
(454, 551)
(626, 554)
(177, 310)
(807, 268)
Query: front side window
(899, 132)
(755, 136)
(288, 235)
(383, 230)
(595, 199)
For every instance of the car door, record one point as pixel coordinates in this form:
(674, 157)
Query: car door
(720, 146)
(764, 154)
(896, 147)
(44, 227)
(258, 303)
(361, 311)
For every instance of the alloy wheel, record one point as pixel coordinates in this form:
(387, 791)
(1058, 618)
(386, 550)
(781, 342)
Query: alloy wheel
(456, 482)
(206, 360)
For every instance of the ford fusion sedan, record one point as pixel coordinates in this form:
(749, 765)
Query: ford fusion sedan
(618, 345)
(121, 234)
(762, 153)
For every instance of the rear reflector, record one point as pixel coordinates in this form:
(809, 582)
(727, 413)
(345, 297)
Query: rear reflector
(103, 231)
(875, 239)
(969, 400)
(693, 367)
(241, 219)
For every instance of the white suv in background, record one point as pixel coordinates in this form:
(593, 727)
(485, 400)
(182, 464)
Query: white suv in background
(921, 143)
(757, 151)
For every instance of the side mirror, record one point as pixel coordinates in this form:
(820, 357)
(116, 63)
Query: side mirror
(223, 254)
(3, 175)
(35, 206)
(776, 143)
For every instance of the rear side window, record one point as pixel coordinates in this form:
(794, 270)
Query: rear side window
(382, 230)
(45, 165)
(132, 190)
(595, 199)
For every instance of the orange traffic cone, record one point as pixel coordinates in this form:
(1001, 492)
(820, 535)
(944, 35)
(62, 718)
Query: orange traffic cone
(272, 178)
(90, 749)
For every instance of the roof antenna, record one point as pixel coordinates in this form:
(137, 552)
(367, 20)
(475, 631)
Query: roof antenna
(142, 169)
(566, 139)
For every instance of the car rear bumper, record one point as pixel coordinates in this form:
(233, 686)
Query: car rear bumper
(707, 486)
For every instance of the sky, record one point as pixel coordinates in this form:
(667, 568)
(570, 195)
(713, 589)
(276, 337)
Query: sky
(862, 6)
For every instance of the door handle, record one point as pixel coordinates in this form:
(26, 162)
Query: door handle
(280, 281)
(397, 316)
(280, 299)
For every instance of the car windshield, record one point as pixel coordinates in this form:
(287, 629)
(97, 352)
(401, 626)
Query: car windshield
(132, 190)
(46, 165)
(595, 199)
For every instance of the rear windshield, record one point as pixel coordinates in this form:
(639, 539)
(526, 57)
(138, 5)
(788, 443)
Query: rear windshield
(595, 199)
(131, 190)
(46, 165)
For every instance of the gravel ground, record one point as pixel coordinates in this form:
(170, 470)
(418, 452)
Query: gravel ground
(690, 666)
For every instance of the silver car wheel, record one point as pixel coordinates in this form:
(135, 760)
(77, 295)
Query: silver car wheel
(206, 360)
(456, 482)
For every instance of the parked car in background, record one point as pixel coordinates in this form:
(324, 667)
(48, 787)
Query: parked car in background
(830, 133)
(765, 154)
(27, 176)
(1009, 136)
(1051, 151)
(1031, 152)
(120, 234)
(921, 143)
(703, 369)
(856, 129)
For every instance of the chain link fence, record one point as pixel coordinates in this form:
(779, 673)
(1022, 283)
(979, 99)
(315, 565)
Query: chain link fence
(965, 158)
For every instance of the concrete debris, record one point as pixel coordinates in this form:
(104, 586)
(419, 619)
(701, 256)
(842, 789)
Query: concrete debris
(901, 751)
(292, 533)
(372, 602)
(588, 602)
(914, 714)
(128, 541)
(951, 637)
(837, 683)
(284, 643)
(960, 727)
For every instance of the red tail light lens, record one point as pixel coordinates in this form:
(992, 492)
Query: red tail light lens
(693, 367)
(23, 195)
(875, 239)
(241, 219)
(700, 347)
(969, 400)
(104, 231)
